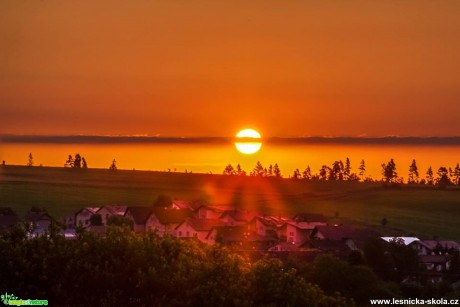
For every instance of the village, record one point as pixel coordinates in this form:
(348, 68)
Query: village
(304, 235)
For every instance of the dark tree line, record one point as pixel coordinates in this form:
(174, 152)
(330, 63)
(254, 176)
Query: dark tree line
(341, 171)
(77, 162)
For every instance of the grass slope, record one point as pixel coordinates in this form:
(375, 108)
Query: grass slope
(424, 211)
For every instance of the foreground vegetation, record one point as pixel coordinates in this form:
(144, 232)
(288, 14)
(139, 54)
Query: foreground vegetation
(421, 210)
(127, 269)
(124, 269)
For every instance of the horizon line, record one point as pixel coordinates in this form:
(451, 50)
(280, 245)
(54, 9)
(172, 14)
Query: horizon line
(146, 139)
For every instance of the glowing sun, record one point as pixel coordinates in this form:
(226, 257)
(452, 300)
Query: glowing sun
(247, 145)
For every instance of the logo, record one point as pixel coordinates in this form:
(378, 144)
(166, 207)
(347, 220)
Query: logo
(11, 300)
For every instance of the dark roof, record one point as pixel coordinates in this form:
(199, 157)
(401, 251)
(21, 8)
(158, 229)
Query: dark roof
(115, 210)
(201, 224)
(336, 232)
(33, 216)
(8, 217)
(171, 216)
(309, 217)
(140, 214)
(335, 247)
(434, 244)
(92, 210)
(238, 215)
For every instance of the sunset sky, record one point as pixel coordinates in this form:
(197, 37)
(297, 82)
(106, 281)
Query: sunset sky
(211, 68)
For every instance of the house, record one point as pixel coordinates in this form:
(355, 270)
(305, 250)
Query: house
(265, 224)
(400, 240)
(429, 247)
(39, 220)
(8, 218)
(333, 232)
(190, 205)
(338, 248)
(195, 227)
(311, 219)
(237, 217)
(164, 221)
(300, 227)
(108, 211)
(435, 267)
(139, 217)
(354, 238)
(82, 217)
(212, 212)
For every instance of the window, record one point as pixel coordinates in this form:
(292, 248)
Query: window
(291, 234)
(180, 233)
(188, 234)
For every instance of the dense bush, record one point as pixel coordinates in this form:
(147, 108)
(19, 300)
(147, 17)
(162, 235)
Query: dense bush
(127, 269)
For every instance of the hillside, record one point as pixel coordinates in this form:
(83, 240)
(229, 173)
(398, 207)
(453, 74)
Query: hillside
(424, 211)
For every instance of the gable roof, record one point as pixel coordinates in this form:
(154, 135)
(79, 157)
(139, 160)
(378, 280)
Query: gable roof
(434, 244)
(238, 215)
(115, 210)
(335, 247)
(92, 210)
(336, 232)
(33, 216)
(309, 218)
(190, 205)
(271, 221)
(171, 216)
(140, 214)
(404, 240)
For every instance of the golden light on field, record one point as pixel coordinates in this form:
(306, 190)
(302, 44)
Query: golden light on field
(248, 146)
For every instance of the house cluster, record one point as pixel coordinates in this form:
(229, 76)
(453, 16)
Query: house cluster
(306, 235)
(435, 255)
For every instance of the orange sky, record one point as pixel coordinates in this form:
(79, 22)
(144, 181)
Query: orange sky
(209, 68)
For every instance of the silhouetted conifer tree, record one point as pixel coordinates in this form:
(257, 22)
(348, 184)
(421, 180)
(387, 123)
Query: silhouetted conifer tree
(30, 162)
(362, 169)
(69, 162)
(443, 179)
(77, 161)
(389, 171)
(276, 171)
(347, 169)
(429, 176)
(113, 166)
(413, 173)
(306, 174)
(229, 170)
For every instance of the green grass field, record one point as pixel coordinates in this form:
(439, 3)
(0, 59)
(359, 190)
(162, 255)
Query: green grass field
(423, 211)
